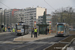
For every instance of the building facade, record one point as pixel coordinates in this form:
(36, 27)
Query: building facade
(31, 15)
(28, 15)
(48, 19)
(20, 15)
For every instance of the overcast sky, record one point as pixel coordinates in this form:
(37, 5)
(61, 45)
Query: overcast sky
(56, 4)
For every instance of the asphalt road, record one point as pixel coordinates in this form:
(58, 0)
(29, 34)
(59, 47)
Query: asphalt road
(8, 37)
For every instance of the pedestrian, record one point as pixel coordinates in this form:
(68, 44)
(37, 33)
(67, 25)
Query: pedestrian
(3, 29)
(46, 31)
(8, 29)
(35, 32)
(13, 30)
(32, 32)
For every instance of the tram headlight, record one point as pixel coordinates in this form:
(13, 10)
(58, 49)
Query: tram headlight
(62, 31)
(59, 32)
(18, 30)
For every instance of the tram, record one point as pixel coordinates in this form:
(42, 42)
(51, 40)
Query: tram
(62, 29)
(21, 28)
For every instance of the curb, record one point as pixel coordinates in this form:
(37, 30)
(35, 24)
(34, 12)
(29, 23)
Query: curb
(2, 33)
(43, 38)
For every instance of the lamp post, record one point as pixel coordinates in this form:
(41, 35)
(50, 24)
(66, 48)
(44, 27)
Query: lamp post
(31, 27)
(4, 20)
(1, 20)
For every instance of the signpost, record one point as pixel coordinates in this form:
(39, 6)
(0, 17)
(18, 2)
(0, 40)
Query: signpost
(34, 23)
(49, 27)
(32, 28)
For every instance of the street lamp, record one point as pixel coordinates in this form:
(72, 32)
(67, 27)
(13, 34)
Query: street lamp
(1, 19)
(4, 20)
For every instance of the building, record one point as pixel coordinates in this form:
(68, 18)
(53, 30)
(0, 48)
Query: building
(7, 17)
(31, 15)
(20, 15)
(48, 19)
(28, 15)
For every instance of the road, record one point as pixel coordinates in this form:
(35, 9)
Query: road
(33, 45)
(8, 37)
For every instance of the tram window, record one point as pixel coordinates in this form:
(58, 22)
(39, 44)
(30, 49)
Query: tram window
(23, 26)
(19, 27)
(60, 27)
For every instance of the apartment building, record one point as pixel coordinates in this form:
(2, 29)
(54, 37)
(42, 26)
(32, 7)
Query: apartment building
(28, 15)
(48, 19)
(31, 15)
(20, 15)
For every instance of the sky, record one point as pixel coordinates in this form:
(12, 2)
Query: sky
(50, 5)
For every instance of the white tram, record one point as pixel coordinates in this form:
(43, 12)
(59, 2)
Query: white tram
(62, 29)
(21, 28)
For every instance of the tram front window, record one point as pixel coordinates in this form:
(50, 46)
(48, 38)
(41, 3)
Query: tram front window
(19, 27)
(60, 28)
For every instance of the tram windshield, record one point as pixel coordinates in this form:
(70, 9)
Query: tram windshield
(60, 28)
(19, 27)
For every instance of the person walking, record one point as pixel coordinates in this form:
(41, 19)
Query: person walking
(35, 32)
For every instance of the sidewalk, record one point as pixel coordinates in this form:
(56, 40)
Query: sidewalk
(28, 37)
(1, 33)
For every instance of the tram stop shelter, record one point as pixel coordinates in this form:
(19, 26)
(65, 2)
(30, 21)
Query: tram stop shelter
(42, 28)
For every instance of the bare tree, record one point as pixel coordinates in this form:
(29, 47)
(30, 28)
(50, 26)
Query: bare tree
(66, 15)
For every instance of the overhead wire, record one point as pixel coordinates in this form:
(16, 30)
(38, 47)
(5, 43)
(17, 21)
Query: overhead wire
(5, 5)
(49, 5)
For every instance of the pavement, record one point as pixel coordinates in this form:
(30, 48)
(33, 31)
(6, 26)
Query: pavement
(29, 38)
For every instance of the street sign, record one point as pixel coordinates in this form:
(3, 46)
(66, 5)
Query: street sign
(49, 27)
(34, 22)
(50, 22)
(22, 30)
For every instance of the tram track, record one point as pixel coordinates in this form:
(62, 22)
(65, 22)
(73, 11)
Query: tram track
(33, 45)
(40, 44)
(63, 44)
